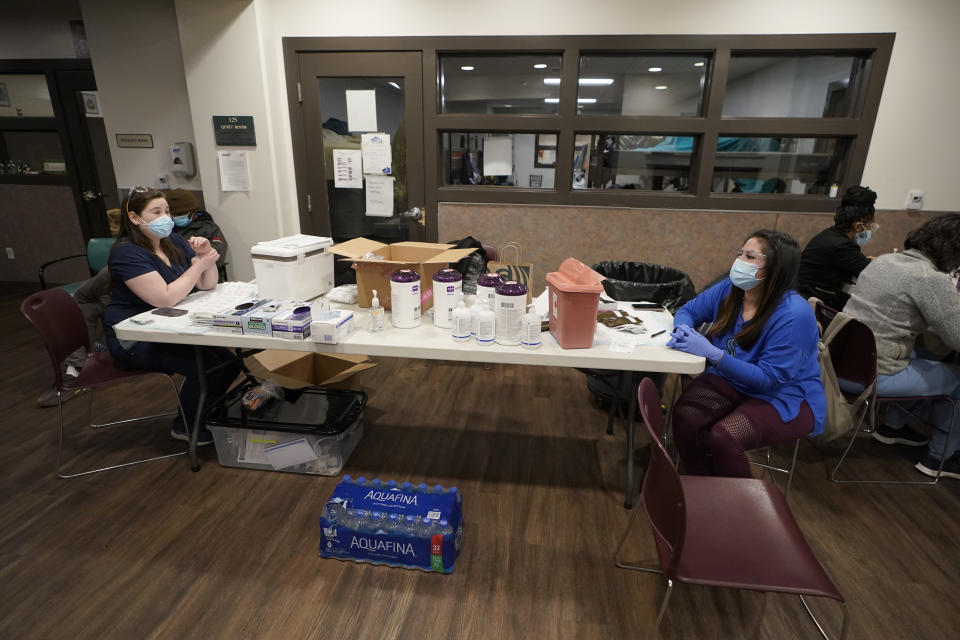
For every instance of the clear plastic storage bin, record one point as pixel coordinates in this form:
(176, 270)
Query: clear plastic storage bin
(311, 430)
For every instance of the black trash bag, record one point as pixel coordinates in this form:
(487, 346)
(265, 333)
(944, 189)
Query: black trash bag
(471, 266)
(636, 281)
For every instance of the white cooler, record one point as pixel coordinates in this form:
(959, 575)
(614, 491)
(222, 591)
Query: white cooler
(293, 268)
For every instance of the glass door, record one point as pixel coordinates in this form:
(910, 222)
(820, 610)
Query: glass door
(363, 126)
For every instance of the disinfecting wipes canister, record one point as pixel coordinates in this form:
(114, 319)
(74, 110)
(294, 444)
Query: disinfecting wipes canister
(447, 287)
(405, 298)
(487, 284)
(510, 307)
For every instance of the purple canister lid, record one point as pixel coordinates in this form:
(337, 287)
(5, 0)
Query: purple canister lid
(447, 275)
(511, 288)
(489, 280)
(405, 275)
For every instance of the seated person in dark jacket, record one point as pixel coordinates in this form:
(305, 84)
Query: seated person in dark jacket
(190, 220)
(833, 257)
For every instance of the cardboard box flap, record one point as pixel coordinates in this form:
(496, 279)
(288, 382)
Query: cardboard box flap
(451, 255)
(359, 246)
(297, 369)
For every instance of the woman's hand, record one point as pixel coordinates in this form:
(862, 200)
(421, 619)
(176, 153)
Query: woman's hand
(688, 340)
(200, 245)
(206, 258)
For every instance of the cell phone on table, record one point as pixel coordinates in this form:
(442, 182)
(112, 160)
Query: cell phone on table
(169, 312)
(647, 305)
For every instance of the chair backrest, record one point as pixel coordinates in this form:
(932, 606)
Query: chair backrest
(490, 251)
(662, 493)
(853, 349)
(58, 318)
(98, 252)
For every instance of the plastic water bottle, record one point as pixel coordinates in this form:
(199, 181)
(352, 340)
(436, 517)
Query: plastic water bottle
(422, 488)
(426, 528)
(407, 487)
(361, 481)
(455, 494)
(445, 528)
(376, 483)
(392, 484)
(410, 526)
(393, 523)
(438, 489)
(359, 519)
(347, 479)
(376, 521)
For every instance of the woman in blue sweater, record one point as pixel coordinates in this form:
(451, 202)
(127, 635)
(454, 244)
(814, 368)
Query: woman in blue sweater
(762, 385)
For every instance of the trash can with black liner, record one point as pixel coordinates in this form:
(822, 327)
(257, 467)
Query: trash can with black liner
(637, 282)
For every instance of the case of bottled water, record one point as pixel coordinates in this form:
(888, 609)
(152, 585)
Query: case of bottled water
(400, 525)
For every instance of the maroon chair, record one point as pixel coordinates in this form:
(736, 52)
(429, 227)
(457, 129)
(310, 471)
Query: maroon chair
(58, 318)
(722, 532)
(854, 354)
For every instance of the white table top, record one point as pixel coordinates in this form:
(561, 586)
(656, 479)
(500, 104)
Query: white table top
(428, 342)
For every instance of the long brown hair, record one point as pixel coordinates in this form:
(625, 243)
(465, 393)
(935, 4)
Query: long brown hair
(135, 202)
(782, 265)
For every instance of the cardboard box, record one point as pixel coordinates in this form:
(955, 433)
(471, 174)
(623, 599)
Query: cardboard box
(426, 258)
(332, 326)
(298, 369)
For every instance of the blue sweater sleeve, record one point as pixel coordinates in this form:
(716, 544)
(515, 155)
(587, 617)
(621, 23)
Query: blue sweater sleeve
(783, 350)
(703, 308)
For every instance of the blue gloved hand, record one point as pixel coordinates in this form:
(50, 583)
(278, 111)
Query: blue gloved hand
(690, 341)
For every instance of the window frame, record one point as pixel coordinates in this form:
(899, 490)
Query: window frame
(875, 47)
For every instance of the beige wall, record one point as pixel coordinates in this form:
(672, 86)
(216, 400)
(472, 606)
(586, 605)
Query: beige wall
(700, 243)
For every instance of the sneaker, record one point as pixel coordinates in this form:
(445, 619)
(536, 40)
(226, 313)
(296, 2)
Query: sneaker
(929, 466)
(904, 435)
(203, 438)
(49, 397)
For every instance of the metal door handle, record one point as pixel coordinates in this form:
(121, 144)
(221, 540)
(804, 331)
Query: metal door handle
(414, 213)
(90, 194)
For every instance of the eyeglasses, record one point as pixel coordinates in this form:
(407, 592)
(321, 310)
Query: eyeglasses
(133, 190)
(873, 226)
(750, 254)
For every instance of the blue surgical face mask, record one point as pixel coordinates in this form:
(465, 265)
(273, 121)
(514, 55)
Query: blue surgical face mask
(744, 274)
(160, 227)
(863, 237)
(181, 221)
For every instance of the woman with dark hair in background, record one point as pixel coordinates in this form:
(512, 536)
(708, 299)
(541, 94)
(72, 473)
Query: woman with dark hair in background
(899, 296)
(833, 258)
(762, 386)
(150, 268)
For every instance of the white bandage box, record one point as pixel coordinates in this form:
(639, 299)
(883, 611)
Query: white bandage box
(259, 321)
(330, 327)
(293, 268)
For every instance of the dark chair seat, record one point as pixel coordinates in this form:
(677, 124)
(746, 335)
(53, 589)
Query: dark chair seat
(769, 555)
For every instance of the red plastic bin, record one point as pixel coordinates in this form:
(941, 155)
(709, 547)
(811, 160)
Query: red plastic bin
(574, 296)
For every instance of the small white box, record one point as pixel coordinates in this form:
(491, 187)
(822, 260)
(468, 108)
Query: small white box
(291, 325)
(330, 327)
(259, 320)
(293, 268)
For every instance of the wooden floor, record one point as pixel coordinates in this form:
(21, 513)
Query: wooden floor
(156, 551)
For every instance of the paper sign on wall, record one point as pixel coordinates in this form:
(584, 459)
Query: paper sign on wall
(347, 171)
(497, 156)
(380, 196)
(362, 110)
(377, 157)
(234, 171)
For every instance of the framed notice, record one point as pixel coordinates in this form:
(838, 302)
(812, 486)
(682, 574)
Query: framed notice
(234, 131)
(545, 151)
(135, 140)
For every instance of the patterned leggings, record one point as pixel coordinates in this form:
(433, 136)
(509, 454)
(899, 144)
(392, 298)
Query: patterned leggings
(714, 425)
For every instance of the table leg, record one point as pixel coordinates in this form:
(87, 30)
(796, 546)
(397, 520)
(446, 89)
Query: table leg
(201, 403)
(631, 415)
(615, 403)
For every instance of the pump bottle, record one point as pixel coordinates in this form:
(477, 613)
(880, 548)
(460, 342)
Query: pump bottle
(460, 326)
(531, 329)
(376, 314)
(486, 324)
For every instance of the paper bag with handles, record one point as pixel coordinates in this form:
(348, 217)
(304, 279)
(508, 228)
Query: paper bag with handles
(510, 265)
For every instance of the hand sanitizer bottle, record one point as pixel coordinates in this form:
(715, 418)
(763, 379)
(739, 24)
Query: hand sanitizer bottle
(486, 324)
(376, 314)
(460, 330)
(530, 338)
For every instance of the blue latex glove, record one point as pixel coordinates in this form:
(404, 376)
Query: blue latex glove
(688, 340)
